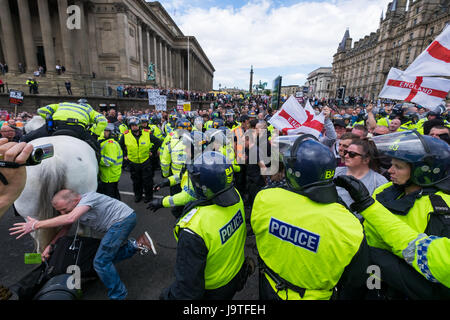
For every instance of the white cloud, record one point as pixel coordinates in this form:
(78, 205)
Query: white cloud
(266, 36)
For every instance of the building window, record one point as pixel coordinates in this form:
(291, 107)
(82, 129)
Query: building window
(132, 32)
(411, 35)
(110, 69)
(414, 22)
(431, 31)
(417, 10)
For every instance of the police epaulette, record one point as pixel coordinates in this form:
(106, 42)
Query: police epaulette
(126, 131)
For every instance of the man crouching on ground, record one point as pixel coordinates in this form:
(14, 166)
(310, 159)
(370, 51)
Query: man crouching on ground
(103, 214)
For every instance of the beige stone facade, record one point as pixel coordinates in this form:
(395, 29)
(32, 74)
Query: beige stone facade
(117, 41)
(319, 82)
(402, 35)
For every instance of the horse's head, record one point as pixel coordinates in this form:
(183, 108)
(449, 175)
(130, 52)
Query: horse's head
(34, 124)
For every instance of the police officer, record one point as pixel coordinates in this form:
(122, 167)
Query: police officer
(194, 144)
(110, 168)
(155, 121)
(137, 144)
(231, 123)
(305, 253)
(211, 236)
(75, 117)
(428, 255)
(418, 196)
(173, 158)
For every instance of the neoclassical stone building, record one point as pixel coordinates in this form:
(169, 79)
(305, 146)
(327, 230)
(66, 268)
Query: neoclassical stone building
(319, 82)
(404, 32)
(117, 40)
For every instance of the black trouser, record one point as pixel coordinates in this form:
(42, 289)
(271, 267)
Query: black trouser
(69, 91)
(110, 189)
(2, 87)
(142, 177)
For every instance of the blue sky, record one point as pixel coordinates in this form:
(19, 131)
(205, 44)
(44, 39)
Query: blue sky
(290, 38)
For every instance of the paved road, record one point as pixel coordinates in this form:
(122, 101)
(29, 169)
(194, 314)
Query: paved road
(144, 276)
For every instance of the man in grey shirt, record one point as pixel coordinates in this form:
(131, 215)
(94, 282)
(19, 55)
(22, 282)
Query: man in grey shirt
(103, 214)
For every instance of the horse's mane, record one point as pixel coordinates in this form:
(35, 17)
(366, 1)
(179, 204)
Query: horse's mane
(35, 123)
(53, 181)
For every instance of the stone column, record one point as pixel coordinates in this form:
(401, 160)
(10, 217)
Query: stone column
(166, 64)
(157, 60)
(122, 34)
(27, 36)
(8, 35)
(47, 36)
(93, 49)
(65, 36)
(170, 68)
(149, 48)
(82, 41)
(161, 66)
(140, 53)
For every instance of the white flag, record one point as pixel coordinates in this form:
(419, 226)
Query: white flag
(426, 91)
(435, 60)
(293, 119)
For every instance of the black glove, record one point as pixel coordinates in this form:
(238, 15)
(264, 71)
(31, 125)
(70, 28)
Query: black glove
(357, 191)
(155, 204)
(164, 183)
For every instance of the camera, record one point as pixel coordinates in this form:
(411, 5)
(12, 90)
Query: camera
(40, 153)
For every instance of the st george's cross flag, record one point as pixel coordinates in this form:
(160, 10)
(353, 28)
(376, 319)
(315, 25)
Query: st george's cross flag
(292, 118)
(429, 92)
(435, 60)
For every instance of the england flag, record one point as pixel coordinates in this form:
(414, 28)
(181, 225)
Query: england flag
(435, 60)
(426, 91)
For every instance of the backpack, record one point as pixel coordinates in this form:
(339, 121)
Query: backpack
(66, 252)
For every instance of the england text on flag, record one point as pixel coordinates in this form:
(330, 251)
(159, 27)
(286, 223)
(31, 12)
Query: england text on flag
(426, 91)
(292, 118)
(435, 60)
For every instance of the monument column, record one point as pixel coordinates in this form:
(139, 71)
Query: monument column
(47, 37)
(27, 35)
(9, 41)
(65, 36)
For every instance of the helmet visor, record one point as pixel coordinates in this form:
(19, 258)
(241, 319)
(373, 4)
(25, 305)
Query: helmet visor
(406, 145)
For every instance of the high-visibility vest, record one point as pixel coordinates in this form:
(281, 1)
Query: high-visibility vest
(111, 160)
(224, 232)
(306, 243)
(138, 152)
(417, 217)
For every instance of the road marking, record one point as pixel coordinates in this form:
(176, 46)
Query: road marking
(132, 194)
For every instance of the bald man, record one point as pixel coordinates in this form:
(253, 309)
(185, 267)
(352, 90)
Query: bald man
(103, 214)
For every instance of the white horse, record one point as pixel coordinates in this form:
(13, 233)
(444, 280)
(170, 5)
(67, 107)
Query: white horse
(73, 166)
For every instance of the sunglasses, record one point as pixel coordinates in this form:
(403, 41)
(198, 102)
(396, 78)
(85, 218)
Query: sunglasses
(352, 154)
